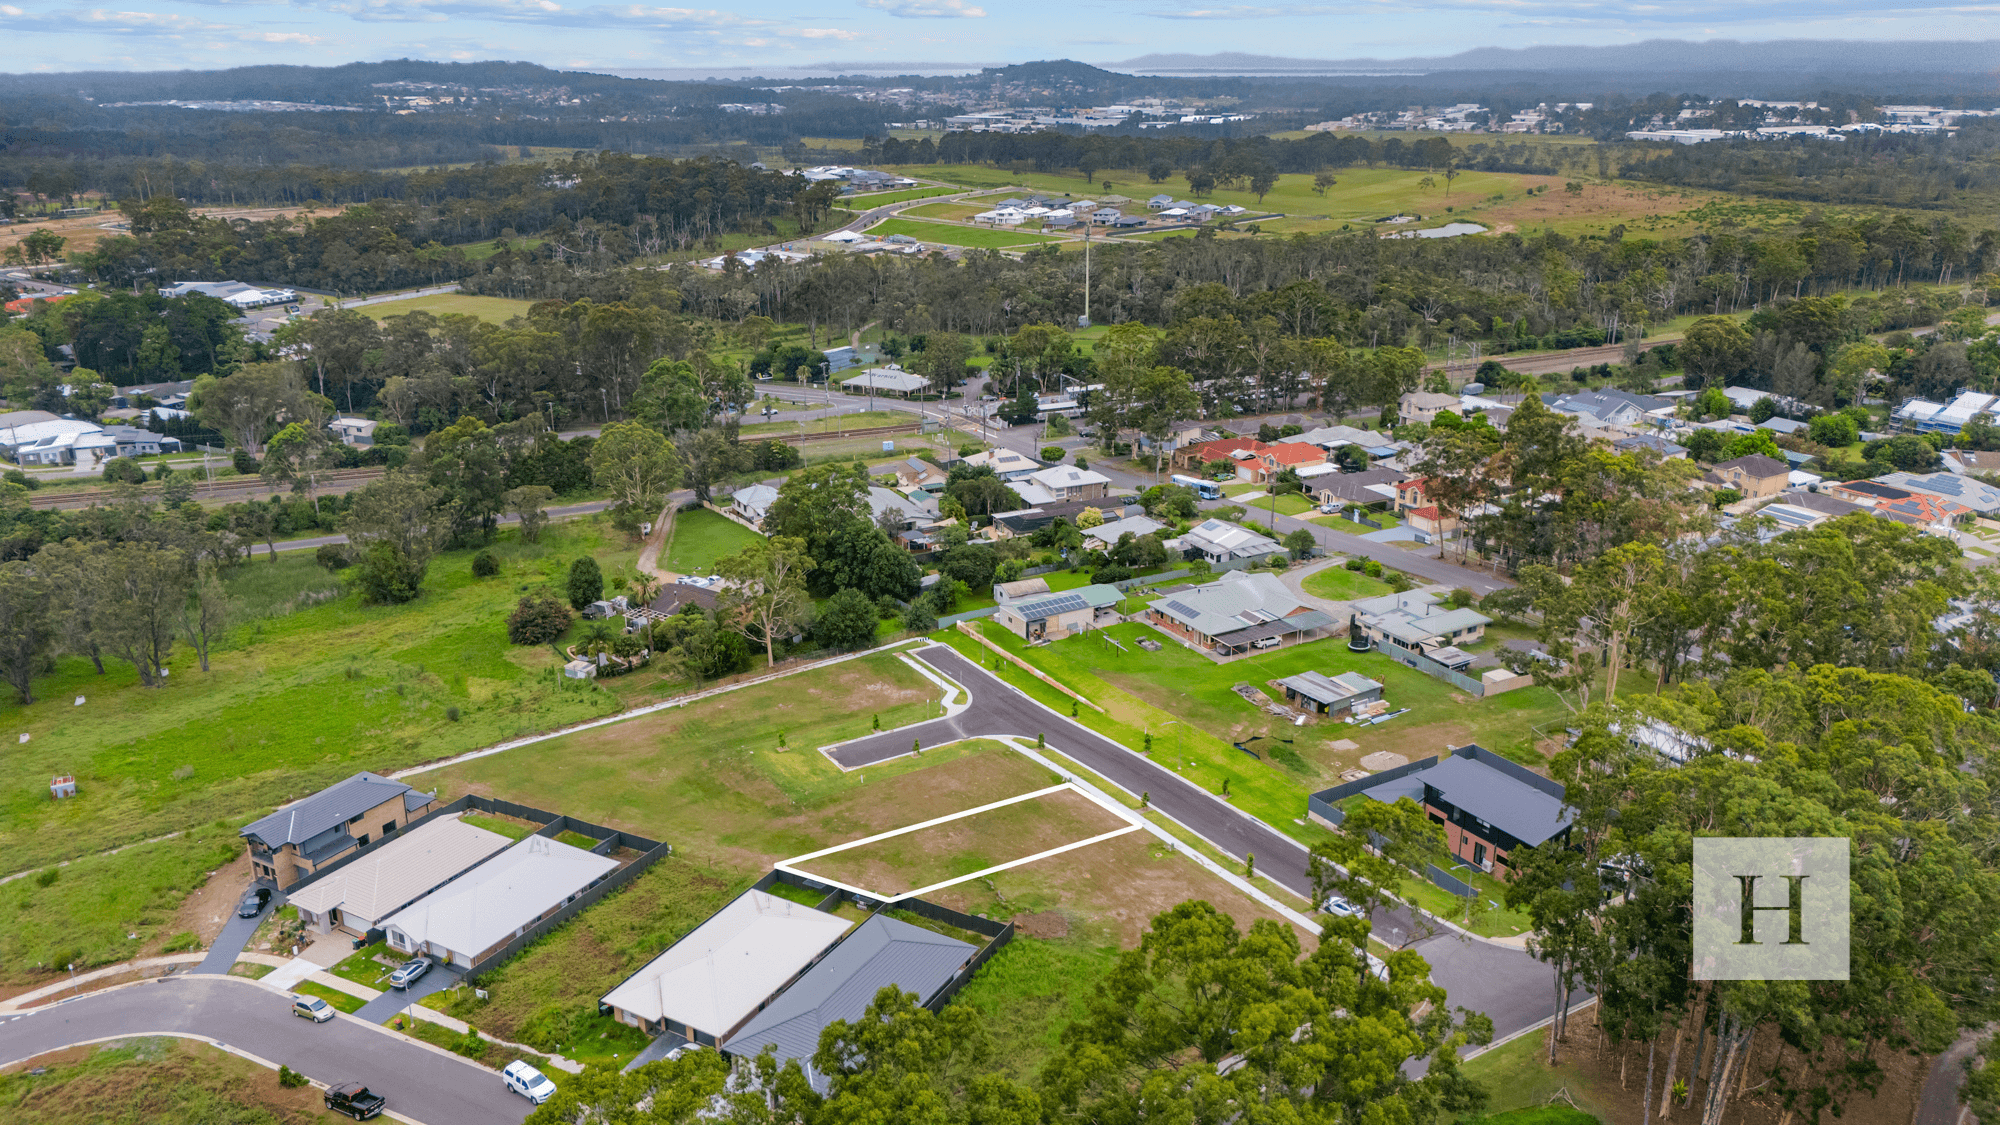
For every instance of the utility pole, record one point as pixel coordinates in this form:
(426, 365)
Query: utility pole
(1086, 273)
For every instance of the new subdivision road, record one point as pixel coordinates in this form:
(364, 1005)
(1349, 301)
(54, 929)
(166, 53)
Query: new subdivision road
(1512, 988)
(422, 1084)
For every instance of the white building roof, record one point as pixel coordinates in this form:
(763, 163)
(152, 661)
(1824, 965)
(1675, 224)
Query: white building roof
(715, 976)
(495, 900)
(1067, 476)
(32, 432)
(397, 871)
(889, 379)
(756, 499)
(1228, 540)
(843, 236)
(1004, 462)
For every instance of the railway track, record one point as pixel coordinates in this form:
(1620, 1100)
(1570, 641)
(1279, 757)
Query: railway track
(866, 431)
(228, 490)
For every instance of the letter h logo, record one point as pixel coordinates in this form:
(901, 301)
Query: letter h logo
(1741, 933)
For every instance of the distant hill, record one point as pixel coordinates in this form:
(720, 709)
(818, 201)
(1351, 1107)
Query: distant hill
(1846, 60)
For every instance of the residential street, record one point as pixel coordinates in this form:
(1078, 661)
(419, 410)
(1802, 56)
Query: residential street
(426, 1085)
(1508, 985)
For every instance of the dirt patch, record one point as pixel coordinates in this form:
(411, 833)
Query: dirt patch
(1047, 924)
(1114, 888)
(960, 847)
(209, 907)
(1382, 760)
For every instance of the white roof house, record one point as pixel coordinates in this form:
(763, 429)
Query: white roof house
(1005, 463)
(843, 236)
(1108, 534)
(1220, 541)
(1067, 482)
(394, 874)
(753, 503)
(497, 901)
(710, 981)
(890, 380)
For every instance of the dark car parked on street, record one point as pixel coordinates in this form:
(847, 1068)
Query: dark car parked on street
(355, 1100)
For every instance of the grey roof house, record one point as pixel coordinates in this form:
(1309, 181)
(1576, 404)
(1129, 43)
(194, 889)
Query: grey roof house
(312, 832)
(1488, 806)
(880, 952)
(1330, 695)
(1239, 612)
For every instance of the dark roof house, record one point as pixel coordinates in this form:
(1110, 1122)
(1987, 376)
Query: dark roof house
(882, 951)
(326, 812)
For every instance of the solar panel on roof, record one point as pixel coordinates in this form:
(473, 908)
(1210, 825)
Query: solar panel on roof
(1183, 608)
(1054, 606)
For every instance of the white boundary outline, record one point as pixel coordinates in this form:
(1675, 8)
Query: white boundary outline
(787, 865)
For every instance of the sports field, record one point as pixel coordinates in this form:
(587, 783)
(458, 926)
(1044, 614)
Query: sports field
(498, 310)
(981, 238)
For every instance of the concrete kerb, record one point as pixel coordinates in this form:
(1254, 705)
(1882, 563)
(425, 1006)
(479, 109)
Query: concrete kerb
(966, 628)
(1530, 1029)
(638, 712)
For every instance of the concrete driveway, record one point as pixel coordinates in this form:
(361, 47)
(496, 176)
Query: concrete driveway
(236, 934)
(393, 1000)
(422, 1083)
(1504, 982)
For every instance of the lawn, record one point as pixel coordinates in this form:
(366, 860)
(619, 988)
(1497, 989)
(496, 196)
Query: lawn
(363, 969)
(982, 238)
(309, 688)
(480, 251)
(877, 199)
(341, 1001)
(958, 848)
(956, 212)
(1344, 585)
(1352, 528)
(700, 537)
(83, 913)
(149, 1080)
(839, 423)
(495, 310)
(1032, 989)
(1186, 702)
(512, 829)
(1290, 504)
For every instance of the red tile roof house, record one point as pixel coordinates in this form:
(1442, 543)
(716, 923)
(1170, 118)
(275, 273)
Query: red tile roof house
(1930, 514)
(1195, 456)
(1274, 459)
(1428, 521)
(1410, 494)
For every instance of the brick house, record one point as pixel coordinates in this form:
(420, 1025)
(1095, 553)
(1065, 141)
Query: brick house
(1195, 456)
(1294, 455)
(1488, 806)
(1754, 475)
(315, 831)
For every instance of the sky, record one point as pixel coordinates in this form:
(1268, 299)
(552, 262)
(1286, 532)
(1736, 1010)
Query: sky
(54, 35)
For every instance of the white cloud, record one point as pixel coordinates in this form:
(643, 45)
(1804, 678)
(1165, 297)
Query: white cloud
(825, 33)
(298, 37)
(11, 10)
(927, 9)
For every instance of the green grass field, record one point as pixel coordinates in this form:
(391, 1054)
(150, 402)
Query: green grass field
(303, 692)
(982, 238)
(85, 910)
(497, 310)
(877, 199)
(1185, 701)
(1518, 1077)
(839, 423)
(148, 1080)
(699, 538)
(480, 251)
(954, 211)
(512, 829)
(1031, 990)
(1342, 584)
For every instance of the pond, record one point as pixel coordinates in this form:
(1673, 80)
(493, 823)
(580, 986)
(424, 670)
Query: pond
(1449, 230)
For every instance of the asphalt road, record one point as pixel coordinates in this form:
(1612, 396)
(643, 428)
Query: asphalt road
(1937, 1102)
(393, 1000)
(425, 1085)
(1508, 985)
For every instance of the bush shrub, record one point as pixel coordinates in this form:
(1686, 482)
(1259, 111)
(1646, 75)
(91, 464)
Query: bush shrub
(124, 469)
(388, 577)
(920, 617)
(291, 1079)
(484, 565)
(538, 619)
(23, 479)
(333, 556)
(549, 1027)
(846, 621)
(1372, 568)
(1355, 564)
(1052, 452)
(243, 463)
(586, 582)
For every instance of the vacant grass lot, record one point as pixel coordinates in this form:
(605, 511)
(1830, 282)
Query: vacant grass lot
(304, 692)
(700, 537)
(497, 310)
(1342, 584)
(877, 199)
(146, 1081)
(839, 423)
(982, 238)
(1184, 700)
(83, 912)
(958, 848)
